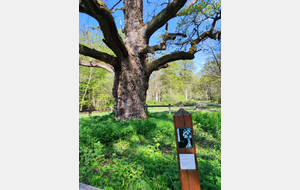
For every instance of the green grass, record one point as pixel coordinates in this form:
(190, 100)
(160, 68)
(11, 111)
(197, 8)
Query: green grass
(212, 107)
(206, 102)
(142, 154)
(84, 115)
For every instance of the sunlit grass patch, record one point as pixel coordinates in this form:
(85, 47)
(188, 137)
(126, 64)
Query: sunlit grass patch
(84, 115)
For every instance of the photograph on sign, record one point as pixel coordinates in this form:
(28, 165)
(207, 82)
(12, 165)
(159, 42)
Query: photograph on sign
(185, 138)
(187, 161)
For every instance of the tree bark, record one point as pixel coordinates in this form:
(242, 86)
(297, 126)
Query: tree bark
(129, 91)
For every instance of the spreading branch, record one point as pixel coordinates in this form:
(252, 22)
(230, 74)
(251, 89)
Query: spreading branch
(97, 63)
(211, 33)
(166, 14)
(99, 11)
(156, 64)
(162, 45)
(208, 34)
(104, 57)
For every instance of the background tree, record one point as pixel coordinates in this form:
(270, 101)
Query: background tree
(129, 61)
(95, 84)
(186, 72)
(171, 83)
(211, 73)
(178, 82)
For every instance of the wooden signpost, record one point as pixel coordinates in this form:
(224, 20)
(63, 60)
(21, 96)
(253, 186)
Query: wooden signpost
(186, 151)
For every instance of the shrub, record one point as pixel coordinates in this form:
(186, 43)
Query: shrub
(209, 122)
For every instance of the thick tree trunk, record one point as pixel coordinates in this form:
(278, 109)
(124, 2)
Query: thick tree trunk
(130, 88)
(131, 77)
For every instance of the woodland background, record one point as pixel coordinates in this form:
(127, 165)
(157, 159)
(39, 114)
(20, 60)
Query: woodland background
(178, 82)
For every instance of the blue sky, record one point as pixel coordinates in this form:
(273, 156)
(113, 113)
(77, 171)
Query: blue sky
(118, 15)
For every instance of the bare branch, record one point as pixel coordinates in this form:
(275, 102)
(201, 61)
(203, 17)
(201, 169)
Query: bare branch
(210, 34)
(117, 9)
(115, 5)
(104, 57)
(165, 15)
(214, 55)
(94, 28)
(99, 11)
(202, 37)
(218, 17)
(182, 55)
(162, 46)
(156, 64)
(97, 63)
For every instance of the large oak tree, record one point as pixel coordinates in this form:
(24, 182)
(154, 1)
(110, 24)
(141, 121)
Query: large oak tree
(130, 65)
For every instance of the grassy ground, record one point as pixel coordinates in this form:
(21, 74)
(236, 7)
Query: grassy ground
(142, 154)
(84, 115)
(212, 107)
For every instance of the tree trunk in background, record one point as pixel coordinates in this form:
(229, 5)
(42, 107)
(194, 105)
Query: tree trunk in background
(185, 93)
(86, 88)
(156, 93)
(171, 89)
(159, 95)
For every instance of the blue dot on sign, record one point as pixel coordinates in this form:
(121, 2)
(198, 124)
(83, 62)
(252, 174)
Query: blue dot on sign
(126, 104)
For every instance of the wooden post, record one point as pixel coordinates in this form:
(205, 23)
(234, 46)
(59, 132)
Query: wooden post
(111, 109)
(170, 109)
(146, 107)
(90, 113)
(186, 151)
(196, 107)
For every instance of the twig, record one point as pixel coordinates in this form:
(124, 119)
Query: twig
(171, 180)
(115, 5)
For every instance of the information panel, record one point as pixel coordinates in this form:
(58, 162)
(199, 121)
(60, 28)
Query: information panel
(187, 161)
(185, 138)
(186, 150)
